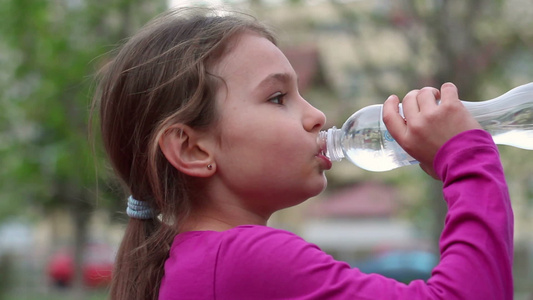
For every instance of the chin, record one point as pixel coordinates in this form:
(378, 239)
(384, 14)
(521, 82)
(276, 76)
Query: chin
(324, 184)
(293, 196)
(318, 188)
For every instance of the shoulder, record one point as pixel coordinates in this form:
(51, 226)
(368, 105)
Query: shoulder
(260, 238)
(268, 244)
(272, 262)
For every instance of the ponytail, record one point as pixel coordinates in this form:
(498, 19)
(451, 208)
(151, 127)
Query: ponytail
(140, 259)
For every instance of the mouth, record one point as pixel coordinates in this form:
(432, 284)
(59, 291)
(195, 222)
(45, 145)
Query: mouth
(325, 161)
(322, 146)
(322, 151)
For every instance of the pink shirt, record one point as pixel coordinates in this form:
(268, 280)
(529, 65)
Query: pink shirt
(258, 262)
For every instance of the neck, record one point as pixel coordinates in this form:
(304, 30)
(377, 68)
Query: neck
(220, 219)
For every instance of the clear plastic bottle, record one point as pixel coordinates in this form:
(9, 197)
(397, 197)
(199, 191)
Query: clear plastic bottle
(365, 141)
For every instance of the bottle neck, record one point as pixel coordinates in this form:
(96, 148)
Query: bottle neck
(508, 118)
(330, 142)
(514, 100)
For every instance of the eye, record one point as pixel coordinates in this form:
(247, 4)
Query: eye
(279, 98)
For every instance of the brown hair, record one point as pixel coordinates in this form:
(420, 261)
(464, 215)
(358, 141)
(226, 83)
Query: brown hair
(158, 78)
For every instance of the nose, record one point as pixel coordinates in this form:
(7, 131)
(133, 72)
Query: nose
(313, 118)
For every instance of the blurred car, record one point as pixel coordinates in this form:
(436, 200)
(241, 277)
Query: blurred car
(402, 265)
(97, 266)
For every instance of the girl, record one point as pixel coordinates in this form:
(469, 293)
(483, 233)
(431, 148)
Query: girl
(202, 120)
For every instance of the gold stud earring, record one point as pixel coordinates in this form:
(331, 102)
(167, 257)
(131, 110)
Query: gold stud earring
(210, 167)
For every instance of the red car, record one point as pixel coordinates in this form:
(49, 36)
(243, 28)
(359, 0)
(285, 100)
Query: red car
(97, 266)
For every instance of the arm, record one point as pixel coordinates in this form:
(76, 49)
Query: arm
(477, 241)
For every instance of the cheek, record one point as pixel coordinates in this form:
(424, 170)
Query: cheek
(244, 133)
(237, 145)
(266, 144)
(255, 151)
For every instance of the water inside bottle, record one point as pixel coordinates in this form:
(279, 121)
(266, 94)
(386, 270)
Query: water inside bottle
(508, 125)
(375, 150)
(516, 138)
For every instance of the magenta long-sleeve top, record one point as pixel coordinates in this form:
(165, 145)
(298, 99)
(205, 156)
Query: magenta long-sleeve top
(257, 262)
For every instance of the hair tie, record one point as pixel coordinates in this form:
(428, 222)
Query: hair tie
(139, 209)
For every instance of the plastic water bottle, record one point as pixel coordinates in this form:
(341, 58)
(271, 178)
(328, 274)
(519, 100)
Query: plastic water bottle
(365, 141)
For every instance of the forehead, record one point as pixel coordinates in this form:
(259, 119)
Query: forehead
(249, 59)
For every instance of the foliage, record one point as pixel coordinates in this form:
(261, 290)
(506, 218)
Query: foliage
(50, 51)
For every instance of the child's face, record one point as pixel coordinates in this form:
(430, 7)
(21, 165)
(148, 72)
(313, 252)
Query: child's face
(267, 157)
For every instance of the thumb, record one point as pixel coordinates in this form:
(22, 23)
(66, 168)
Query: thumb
(391, 117)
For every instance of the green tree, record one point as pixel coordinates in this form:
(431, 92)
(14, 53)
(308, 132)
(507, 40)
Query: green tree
(50, 50)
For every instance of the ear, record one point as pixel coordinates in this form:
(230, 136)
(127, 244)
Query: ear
(187, 150)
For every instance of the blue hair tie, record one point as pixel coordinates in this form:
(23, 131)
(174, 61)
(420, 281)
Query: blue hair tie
(139, 209)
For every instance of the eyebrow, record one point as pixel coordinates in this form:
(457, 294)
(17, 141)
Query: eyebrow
(274, 78)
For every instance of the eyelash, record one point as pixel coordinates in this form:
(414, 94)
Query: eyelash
(278, 99)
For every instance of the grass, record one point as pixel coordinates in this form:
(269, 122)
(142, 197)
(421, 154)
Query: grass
(55, 295)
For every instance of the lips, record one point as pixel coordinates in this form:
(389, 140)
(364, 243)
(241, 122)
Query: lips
(321, 141)
(324, 160)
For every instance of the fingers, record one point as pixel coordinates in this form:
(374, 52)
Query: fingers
(418, 100)
(410, 104)
(427, 98)
(392, 118)
(428, 125)
(449, 93)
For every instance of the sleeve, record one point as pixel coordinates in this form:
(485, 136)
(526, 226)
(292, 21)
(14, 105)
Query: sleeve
(476, 245)
(477, 241)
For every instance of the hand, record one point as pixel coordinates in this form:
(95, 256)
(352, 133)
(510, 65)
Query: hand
(427, 125)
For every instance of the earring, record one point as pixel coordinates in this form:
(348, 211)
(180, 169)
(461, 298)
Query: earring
(210, 167)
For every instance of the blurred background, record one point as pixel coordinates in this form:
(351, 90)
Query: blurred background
(62, 213)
